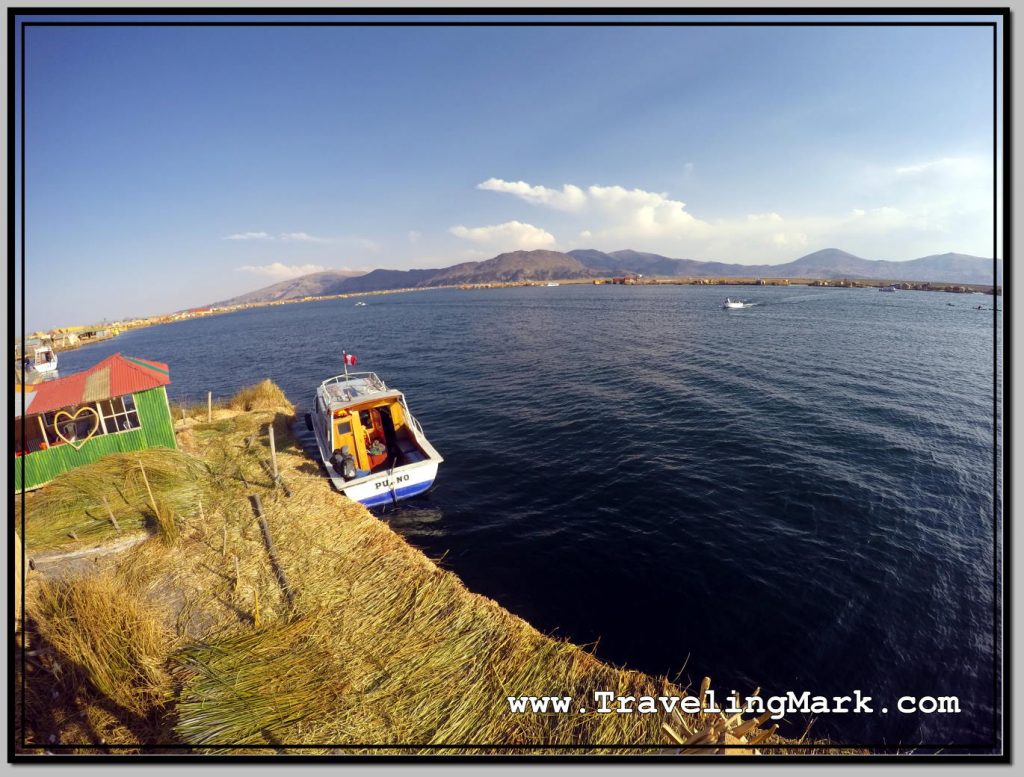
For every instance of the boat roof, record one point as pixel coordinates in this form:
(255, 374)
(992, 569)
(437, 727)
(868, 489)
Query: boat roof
(355, 388)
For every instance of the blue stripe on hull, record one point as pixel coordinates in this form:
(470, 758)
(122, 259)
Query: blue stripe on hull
(401, 493)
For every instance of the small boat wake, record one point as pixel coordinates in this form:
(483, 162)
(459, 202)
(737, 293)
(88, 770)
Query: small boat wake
(736, 304)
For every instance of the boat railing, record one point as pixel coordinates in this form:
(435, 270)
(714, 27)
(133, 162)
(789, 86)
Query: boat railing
(412, 419)
(352, 377)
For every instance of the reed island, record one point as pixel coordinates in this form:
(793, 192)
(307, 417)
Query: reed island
(190, 601)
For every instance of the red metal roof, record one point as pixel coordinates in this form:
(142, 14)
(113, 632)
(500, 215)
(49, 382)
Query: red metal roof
(115, 376)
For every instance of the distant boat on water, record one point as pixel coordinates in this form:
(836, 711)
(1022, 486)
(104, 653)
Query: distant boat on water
(733, 304)
(888, 288)
(43, 360)
(554, 284)
(360, 304)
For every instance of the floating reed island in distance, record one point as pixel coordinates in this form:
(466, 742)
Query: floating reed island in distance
(216, 592)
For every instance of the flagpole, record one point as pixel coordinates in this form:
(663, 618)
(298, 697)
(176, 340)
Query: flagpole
(344, 358)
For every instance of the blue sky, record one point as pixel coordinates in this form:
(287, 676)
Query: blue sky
(172, 167)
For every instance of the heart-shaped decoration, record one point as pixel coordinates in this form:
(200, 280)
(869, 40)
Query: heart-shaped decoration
(86, 411)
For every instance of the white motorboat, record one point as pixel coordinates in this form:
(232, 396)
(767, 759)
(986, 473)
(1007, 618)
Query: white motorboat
(373, 448)
(733, 304)
(43, 360)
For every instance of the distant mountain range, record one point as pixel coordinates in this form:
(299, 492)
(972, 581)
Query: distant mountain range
(516, 266)
(829, 263)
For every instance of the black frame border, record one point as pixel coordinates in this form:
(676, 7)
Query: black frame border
(1001, 528)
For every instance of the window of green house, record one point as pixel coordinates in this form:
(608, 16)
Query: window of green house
(110, 416)
(119, 414)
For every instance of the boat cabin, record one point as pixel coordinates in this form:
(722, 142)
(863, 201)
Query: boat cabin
(360, 416)
(42, 357)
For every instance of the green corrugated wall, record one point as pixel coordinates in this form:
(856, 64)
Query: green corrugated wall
(156, 431)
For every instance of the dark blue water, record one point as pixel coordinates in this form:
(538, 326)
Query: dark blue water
(796, 496)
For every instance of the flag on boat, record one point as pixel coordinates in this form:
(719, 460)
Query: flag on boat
(350, 359)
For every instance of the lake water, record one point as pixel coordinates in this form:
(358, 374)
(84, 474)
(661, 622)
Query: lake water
(795, 496)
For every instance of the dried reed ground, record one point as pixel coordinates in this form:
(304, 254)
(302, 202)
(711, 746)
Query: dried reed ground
(379, 646)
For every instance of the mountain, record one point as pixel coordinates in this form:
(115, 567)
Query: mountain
(828, 263)
(513, 267)
(939, 268)
(504, 268)
(959, 268)
(383, 280)
(622, 262)
(315, 284)
(517, 266)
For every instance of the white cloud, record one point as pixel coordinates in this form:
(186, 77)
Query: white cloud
(249, 236)
(949, 167)
(288, 237)
(414, 236)
(282, 272)
(301, 237)
(369, 245)
(624, 213)
(512, 235)
(570, 198)
(764, 217)
(907, 210)
(641, 214)
(786, 239)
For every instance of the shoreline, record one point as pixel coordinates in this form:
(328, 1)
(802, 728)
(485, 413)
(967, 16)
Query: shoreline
(838, 283)
(335, 600)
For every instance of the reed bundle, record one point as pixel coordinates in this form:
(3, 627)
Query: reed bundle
(107, 636)
(373, 645)
(263, 396)
(76, 507)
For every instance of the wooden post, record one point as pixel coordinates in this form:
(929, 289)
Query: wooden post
(273, 450)
(209, 406)
(257, 508)
(110, 514)
(149, 491)
(275, 481)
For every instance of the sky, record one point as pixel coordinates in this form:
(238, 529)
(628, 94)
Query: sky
(171, 167)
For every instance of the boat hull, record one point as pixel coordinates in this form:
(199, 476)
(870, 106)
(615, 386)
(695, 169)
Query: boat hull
(44, 367)
(382, 489)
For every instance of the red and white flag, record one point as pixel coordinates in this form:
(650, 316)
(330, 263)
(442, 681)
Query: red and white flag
(350, 359)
